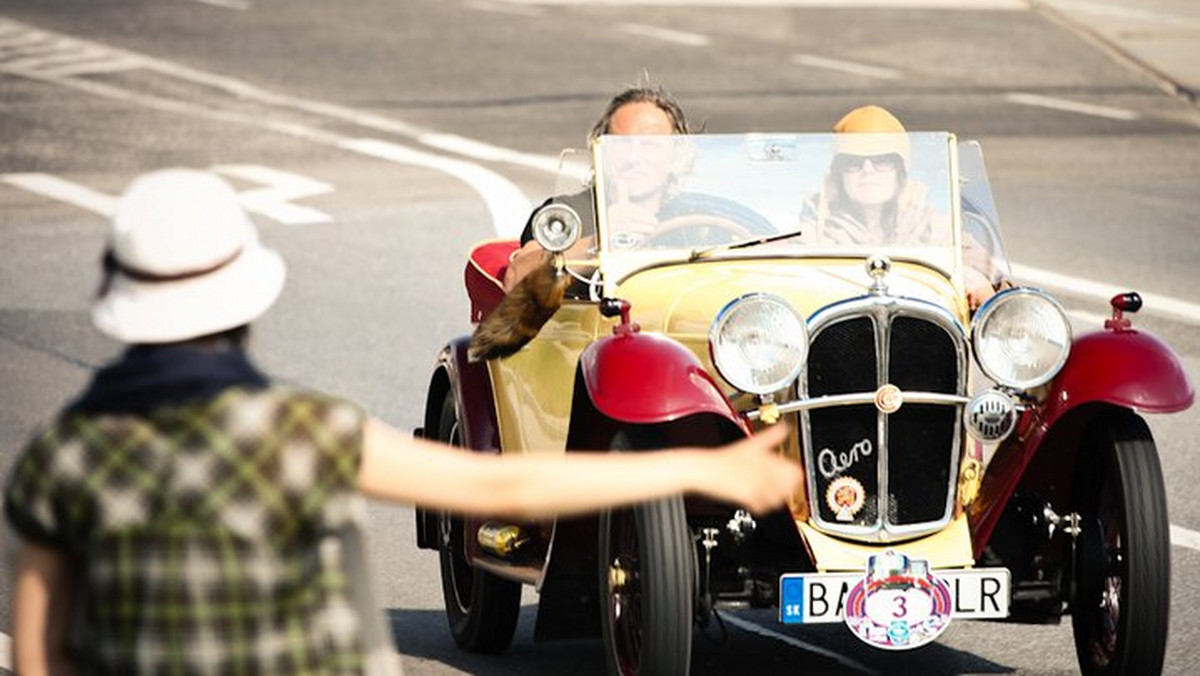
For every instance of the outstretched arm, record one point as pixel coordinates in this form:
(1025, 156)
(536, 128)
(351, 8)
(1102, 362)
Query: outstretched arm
(401, 468)
(41, 608)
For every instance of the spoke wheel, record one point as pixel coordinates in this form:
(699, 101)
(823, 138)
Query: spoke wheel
(481, 608)
(646, 585)
(1122, 560)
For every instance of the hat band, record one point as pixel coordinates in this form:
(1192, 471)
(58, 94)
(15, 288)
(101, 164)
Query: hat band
(111, 264)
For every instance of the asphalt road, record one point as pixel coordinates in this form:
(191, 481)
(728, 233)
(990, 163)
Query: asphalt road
(377, 140)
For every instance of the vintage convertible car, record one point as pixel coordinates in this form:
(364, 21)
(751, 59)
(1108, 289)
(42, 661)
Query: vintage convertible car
(959, 464)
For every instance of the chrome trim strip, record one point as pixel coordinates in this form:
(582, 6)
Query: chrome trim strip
(862, 398)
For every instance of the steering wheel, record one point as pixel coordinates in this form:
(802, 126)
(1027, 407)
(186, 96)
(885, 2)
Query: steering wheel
(694, 230)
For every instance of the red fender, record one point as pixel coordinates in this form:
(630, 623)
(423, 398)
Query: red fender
(1131, 369)
(644, 378)
(1125, 368)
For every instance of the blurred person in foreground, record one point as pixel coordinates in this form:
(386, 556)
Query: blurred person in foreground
(186, 515)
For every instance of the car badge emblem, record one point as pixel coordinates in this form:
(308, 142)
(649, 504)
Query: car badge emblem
(845, 496)
(889, 398)
(899, 604)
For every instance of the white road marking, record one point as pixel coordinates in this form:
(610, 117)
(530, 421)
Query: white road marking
(12, 32)
(1152, 302)
(270, 201)
(24, 50)
(506, 203)
(1009, 5)
(1182, 537)
(1089, 320)
(814, 61)
(1104, 9)
(506, 8)
(751, 627)
(62, 190)
(280, 188)
(95, 67)
(1071, 106)
(508, 206)
(665, 34)
(460, 145)
(242, 5)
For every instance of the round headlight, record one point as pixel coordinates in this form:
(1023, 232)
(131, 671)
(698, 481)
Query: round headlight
(1021, 338)
(758, 343)
(556, 227)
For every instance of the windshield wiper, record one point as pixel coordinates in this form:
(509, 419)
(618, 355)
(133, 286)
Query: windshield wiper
(700, 253)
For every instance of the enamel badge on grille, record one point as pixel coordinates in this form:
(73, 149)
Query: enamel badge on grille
(845, 496)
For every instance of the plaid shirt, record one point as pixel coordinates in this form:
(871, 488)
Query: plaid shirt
(205, 533)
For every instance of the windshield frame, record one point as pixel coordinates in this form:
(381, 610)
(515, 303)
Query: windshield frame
(617, 265)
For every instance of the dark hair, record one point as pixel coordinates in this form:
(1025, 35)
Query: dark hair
(655, 95)
(841, 202)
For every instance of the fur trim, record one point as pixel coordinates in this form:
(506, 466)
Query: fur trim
(522, 313)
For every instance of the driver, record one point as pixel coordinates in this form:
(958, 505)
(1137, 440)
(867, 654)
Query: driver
(642, 111)
(868, 198)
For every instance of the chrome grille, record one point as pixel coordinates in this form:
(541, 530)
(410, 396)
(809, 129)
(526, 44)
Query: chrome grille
(905, 461)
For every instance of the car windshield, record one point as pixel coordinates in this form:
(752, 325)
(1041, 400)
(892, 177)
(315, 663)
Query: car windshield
(691, 196)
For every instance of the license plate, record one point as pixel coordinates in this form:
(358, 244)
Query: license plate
(812, 598)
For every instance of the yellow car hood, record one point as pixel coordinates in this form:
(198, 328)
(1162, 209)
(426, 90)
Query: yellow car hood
(682, 300)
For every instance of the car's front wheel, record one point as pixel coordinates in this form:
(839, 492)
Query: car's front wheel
(1122, 561)
(481, 608)
(646, 583)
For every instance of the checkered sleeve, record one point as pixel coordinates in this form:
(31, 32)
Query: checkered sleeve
(29, 498)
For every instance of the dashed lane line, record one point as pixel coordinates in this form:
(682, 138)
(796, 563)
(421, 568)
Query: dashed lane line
(1009, 5)
(241, 5)
(1053, 103)
(665, 34)
(505, 8)
(814, 61)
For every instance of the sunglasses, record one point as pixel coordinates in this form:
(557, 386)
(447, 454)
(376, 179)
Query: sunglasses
(854, 164)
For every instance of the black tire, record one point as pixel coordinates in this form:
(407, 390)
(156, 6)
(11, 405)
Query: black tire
(646, 583)
(481, 608)
(1122, 568)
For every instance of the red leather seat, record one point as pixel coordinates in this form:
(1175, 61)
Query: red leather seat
(484, 275)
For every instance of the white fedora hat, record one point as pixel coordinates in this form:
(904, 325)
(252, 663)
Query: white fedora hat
(183, 261)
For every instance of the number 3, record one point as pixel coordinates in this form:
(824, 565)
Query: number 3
(901, 606)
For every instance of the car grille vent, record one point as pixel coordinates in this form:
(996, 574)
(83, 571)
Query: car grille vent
(906, 461)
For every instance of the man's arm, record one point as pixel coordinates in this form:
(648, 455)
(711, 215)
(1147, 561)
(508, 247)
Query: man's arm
(41, 611)
(398, 467)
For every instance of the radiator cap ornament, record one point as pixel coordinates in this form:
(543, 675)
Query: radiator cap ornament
(878, 267)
